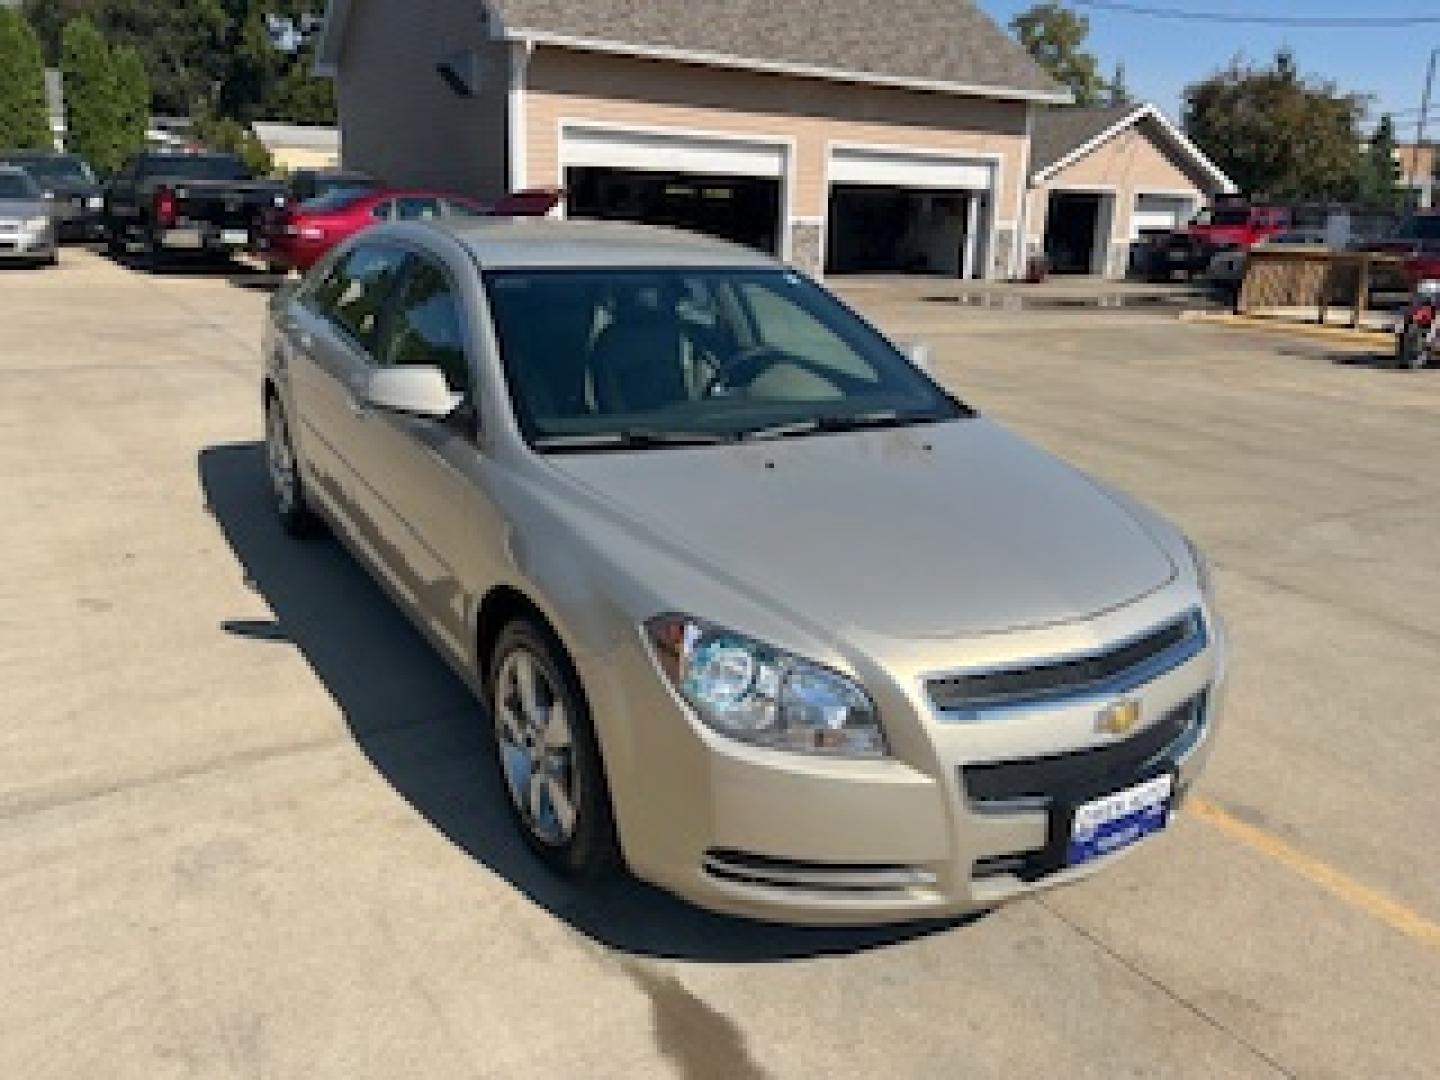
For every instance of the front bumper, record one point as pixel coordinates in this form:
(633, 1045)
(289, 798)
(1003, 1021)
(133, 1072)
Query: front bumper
(27, 245)
(201, 237)
(798, 839)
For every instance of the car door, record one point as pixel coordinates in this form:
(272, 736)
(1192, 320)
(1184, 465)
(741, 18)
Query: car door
(447, 538)
(336, 327)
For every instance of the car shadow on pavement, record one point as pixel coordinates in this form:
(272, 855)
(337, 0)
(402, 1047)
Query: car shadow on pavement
(427, 736)
(195, 265)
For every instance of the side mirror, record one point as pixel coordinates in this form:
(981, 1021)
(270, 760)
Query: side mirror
(919, 355)
(415, 391)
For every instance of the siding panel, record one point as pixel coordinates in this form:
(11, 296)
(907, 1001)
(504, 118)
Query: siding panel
(568, 85)
(398, 118)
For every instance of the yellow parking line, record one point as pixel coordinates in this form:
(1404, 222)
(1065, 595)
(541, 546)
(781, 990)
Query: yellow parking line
(1362, 897)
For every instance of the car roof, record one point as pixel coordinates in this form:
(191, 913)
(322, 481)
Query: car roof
(517, 243)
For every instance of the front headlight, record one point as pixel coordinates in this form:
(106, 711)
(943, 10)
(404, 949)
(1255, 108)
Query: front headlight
(95, 202)
(36, 224)
(759, 694)
(1202, 569)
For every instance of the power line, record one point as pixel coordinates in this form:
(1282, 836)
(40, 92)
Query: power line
(1378, 22)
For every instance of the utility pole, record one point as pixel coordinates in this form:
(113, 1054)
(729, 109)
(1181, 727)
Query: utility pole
(1427, 193)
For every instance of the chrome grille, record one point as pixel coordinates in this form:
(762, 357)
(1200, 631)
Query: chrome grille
(1126, 664)
(750, 869)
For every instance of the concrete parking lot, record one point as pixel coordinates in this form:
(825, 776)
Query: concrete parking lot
(248, 827)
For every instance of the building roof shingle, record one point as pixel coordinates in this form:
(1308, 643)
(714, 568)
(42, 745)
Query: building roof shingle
(1059, 132)
(942, 43)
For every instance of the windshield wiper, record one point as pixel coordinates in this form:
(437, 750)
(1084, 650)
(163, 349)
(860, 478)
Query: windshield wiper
(885, 418)
(628, 439)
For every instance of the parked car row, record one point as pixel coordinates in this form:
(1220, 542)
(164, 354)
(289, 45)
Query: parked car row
(167, 203)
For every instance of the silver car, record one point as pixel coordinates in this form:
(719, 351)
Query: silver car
(752, 604)
(27, 221)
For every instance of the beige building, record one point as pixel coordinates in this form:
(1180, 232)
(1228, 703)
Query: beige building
(299, 146)
(844, 135)
(1102, 178)
(1419, 171)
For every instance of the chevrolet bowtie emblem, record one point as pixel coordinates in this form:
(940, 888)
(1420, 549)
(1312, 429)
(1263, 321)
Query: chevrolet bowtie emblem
(1121, 718)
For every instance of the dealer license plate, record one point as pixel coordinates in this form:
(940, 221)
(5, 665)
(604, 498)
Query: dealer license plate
(235, 237)
(1116, 821)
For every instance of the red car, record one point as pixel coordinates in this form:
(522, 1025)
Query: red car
(297, 237)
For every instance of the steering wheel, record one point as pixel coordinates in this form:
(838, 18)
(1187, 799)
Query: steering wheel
(743, 367)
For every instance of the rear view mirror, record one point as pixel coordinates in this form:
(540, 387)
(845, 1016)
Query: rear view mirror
(415, 391)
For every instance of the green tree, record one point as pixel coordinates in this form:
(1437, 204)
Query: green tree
(1277, 133)
(92, 105)
(24, 117)
(183, 42)
(1380, 172)
(243, 59)
(132, 100)
(1055, 37)
(231, 136)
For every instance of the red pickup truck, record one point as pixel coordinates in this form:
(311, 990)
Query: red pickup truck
(1229, 225)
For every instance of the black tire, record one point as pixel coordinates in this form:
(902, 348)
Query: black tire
(591, 849)
(1410, 349)
(296, 517)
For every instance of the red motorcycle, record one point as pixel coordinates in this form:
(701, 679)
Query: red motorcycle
(1417, 338)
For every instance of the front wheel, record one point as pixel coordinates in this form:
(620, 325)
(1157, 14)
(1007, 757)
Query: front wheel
(1410, 349)
(296, 517)
(548, 756)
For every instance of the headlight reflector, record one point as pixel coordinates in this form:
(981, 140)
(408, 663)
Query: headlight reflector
(762, 695)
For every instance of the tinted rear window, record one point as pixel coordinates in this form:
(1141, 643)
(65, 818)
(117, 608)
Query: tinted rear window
(1422, 228)
(197, 167)
(339, 199)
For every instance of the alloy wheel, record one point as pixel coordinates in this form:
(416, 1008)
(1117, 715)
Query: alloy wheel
(537, 749)
(284, 477)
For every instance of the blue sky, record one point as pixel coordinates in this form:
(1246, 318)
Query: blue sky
(1162, 56)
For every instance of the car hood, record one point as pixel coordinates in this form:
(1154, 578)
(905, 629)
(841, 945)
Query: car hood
(24, 208)
(945, 530)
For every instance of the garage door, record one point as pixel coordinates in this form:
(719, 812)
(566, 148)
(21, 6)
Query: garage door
(729, 188)
(1160, 213)
(907, 212)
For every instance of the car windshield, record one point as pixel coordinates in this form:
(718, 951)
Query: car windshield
(17, 185)
(198, 167)
(600, 358)
(57, 170)
(338, 199)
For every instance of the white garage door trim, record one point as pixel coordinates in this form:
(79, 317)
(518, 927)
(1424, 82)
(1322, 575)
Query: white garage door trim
(591, 143)
(911, 169)
(1168, 210)
(663, 150)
